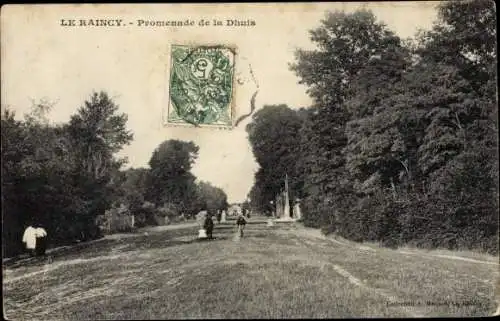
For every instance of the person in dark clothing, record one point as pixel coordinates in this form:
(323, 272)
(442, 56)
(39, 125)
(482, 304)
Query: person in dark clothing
(209, 226)
(41, 245)
(241, 222)
(41, 240)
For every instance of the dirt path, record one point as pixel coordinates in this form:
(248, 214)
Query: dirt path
(170, 227)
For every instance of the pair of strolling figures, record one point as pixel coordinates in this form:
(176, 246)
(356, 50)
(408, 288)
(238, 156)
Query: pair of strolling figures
(35, 240)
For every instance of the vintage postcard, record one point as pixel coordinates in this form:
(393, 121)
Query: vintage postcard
(249, 160)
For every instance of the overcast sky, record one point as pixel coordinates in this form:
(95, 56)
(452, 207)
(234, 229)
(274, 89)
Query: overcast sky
(42, 59)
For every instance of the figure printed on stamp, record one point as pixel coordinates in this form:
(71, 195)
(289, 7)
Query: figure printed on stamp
(201, 85)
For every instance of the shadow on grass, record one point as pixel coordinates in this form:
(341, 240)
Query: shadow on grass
(214, 239)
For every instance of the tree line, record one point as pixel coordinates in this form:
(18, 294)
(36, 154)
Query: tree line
(167, 189)
(68, 178)
(400, 144)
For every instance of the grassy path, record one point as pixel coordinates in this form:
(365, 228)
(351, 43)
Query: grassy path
(273, 272)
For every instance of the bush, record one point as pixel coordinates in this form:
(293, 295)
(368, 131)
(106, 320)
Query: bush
(314, 212)
(169, 210)
(117, 219)
(329, 229)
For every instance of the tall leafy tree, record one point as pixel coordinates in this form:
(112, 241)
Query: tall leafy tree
(133, 186)
(212, 198)
(170, 179)
(426, 134)
(274, 136)
(377, 147)
(464, 127)
(96, 132)
(464, 36)
(345, 43)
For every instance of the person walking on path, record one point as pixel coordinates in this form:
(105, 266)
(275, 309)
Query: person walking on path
(241, 222)
(209, 226)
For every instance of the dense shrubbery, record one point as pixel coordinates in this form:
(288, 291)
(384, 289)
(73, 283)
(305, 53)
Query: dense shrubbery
(400, 146)
(116, 219)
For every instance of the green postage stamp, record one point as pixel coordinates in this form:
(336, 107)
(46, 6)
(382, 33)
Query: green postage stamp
(201, 86)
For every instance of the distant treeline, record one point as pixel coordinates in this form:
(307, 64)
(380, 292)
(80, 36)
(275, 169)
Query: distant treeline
(66, 177)
(400, 145)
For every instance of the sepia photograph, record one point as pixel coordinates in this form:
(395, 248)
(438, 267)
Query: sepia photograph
(249, 160)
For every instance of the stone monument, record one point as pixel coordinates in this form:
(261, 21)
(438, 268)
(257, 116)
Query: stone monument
(286, 211)
(284, 204)
(223, 217)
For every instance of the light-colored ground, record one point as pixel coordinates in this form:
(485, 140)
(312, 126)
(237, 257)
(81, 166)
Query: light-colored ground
(284, 271)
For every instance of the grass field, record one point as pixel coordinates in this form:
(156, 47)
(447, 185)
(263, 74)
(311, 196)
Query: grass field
(285, 271)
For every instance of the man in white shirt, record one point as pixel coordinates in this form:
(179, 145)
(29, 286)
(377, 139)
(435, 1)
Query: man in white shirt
(29, 238)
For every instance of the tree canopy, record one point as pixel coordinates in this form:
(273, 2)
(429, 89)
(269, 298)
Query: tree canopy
(392, 148)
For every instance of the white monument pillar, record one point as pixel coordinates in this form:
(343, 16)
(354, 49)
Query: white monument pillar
(286, 214)
(286, 210)
(223, 217)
